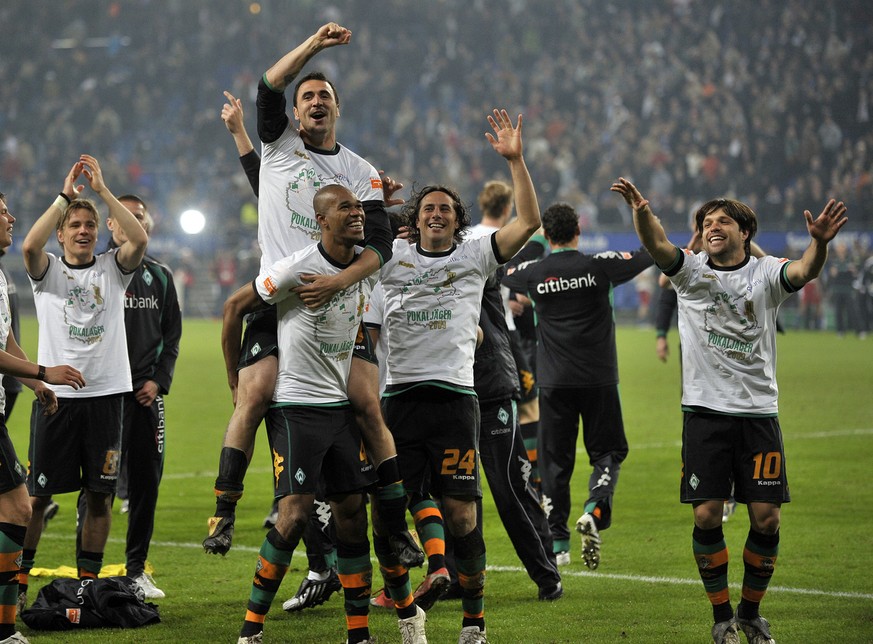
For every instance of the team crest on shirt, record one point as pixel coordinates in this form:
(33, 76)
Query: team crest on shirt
(83, 308)
(147, 277)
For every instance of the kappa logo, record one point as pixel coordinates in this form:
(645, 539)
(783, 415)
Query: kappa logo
(277, 466)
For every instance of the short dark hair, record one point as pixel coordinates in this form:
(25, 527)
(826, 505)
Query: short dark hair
(410, 209)
(736, 210)
(560, 223)
(136, 198)
(317, 76)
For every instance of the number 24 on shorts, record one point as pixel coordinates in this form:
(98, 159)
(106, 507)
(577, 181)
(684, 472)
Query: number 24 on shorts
(454, 461)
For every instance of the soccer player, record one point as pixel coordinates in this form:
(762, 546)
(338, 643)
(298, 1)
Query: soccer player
(577, 373)
(296, 162)
(79, 298)
(728, 302)
(14, 503)
(433, 293)
(311, 425)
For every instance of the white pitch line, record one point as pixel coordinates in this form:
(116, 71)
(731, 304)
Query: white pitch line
(676, 581)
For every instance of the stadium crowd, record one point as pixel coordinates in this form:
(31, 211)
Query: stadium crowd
(769, 102)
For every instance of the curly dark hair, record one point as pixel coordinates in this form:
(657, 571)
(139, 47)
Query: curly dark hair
(410, 210)
(560, 223)
(736, 210)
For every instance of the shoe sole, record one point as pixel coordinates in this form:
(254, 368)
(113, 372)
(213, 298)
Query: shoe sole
(431, 596)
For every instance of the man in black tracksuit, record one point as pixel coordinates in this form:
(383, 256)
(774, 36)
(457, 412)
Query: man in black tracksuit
(501, 448)
(577, 373)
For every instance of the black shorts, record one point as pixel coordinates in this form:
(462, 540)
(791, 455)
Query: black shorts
(77, 447)
(527, 381)
(261, 339)
(12, 472)
(317, 450)
(720, 452)
(436, 432)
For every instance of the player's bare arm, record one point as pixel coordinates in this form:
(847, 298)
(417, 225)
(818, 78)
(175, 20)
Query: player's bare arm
(283, 73)
(647, 225)
(822, 230)
(507, 142)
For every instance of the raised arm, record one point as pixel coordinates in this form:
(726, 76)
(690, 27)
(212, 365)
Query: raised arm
(507, 142)
(286, 69)
(821, 231)
(648, 227)
(232, 115)
(131, 252)
(33, 248)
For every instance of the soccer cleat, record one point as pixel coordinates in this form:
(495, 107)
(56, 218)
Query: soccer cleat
(472, 635)
(757, 630)
(412, 628)
(220, 535)
(382, 599)
(50, 511)
(551, 593)
(432, 588)
(725, 632)
(147, 585)
(314, 592)
(562, 558)
(15, 638)
(271, 519)
(454, 592)
(590, 540)
(406, 550)
(257, 638)
(729, 508)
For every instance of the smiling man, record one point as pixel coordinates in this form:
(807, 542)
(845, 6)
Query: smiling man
(79, 299)
(313, 436)
(433, 294)
(728, 301)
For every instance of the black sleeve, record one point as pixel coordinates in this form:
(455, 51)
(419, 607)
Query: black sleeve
(377, 230)
(171, 329)
(532, 250)
(251, 164)
(620, 268)
(665, 307)
(272, 119)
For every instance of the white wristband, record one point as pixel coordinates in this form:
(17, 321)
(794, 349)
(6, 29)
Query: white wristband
(61, 203)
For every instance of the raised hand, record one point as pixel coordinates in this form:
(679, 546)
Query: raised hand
(93, 173)
(232, 114)
(331, 35)
(70, 188)
(506, 139)
(629, 193)
(826, 226)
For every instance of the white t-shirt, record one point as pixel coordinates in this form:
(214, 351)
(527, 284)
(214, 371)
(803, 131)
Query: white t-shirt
(290, 176)
(315, 346)
(432, 305)
(727, 330)
(81, 323)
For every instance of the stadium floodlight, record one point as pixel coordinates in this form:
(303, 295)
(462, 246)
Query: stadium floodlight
(192, 221)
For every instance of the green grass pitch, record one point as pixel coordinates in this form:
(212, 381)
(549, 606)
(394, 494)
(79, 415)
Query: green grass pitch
(646, 589)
